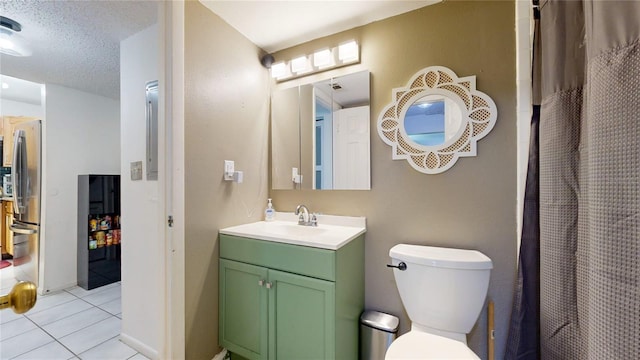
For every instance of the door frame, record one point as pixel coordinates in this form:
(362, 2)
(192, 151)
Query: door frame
(171, 170)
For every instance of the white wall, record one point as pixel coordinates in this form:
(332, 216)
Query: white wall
(18, 108)
(80, 136)
(142, 247)
(524, 51)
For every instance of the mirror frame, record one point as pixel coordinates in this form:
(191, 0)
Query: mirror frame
(479, 114)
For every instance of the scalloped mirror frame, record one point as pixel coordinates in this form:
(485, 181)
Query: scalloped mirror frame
(479, 114)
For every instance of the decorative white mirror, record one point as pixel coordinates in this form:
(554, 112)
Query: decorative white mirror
(436, 119)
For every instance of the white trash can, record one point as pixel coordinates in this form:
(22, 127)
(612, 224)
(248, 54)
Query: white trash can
(377, 332)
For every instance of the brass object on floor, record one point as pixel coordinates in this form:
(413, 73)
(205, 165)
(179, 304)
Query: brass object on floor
(21, 298)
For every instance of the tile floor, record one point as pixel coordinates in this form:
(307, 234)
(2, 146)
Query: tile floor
(71, 324)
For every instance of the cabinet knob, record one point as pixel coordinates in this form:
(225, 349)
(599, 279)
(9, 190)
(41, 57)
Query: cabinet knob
(269, 285)
(260, 282)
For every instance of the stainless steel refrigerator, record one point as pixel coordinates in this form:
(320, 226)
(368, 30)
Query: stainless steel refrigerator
(26, 174)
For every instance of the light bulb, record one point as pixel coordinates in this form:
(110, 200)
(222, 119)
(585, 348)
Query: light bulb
(278, 70)
(299, 65)
(322, 58)
(348, 51)
(6, 44)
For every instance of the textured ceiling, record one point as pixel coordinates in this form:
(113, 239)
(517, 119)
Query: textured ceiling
(75, 43)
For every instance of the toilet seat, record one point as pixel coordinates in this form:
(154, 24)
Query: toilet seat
(422, 345)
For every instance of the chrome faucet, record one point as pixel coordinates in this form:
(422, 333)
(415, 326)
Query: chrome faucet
(304, 218)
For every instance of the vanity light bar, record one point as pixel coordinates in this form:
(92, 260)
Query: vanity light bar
(330, 58)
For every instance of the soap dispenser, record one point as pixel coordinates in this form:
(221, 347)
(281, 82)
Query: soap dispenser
(269, 212)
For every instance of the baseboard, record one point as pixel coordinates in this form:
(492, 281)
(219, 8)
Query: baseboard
(142, 348)
(42, 291)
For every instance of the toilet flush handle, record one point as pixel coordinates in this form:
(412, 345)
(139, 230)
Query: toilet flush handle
(401, 266)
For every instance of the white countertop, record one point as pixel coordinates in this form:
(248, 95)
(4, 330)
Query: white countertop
(332, 232)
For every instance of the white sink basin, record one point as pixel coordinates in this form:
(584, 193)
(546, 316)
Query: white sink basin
(331, 233)
(288, 229)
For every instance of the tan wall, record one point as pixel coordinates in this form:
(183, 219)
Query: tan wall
(226, 118)
(472, 205)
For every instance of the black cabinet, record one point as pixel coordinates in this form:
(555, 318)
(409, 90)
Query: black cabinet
(98, 230)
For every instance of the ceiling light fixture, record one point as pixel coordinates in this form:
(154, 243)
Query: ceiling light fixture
(5, 85)
(12, 43)
(321, 60)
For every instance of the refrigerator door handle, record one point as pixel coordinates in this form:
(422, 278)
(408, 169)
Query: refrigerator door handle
(22, 230)
(14, 168)
(19, 171)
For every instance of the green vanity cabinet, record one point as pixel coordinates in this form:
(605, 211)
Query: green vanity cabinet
(287, 302)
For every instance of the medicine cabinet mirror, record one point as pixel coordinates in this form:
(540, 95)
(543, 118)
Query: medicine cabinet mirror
(320, 135)
(436, 119)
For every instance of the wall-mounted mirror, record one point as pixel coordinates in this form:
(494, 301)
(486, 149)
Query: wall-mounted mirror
(321, 136)
(436, 119)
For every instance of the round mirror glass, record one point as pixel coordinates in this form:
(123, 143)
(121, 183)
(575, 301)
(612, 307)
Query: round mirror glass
(432, 120)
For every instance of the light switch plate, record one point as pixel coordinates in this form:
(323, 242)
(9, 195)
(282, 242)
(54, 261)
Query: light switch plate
(136, 170)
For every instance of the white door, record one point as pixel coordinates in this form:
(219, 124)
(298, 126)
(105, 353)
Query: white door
(323, 148)
(351, 166)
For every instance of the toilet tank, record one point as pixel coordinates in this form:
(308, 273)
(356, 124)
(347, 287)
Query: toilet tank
(442, 288)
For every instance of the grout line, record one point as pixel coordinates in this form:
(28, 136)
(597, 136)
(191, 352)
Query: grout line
(61, 317)
(98, 306)
(109, 339)
(85, 326)
(52, 338)
(51, 307)
(12, 336)
(57, 339)
(95, 289)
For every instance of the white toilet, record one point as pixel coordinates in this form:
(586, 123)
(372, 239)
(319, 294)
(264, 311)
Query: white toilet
(443, 291)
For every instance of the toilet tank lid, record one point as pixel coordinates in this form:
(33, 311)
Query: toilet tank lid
(441, 257)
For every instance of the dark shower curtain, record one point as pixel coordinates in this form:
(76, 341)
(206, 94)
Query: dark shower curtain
(523, 342)
(589, 171)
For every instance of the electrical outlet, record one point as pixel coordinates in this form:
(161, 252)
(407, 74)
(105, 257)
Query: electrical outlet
(136, 170)
(229, 169)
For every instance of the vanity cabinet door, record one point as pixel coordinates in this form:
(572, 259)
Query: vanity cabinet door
(301, 317)
(243, 309)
